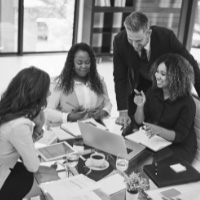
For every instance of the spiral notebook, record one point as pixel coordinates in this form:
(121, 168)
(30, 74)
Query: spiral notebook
(155, 143)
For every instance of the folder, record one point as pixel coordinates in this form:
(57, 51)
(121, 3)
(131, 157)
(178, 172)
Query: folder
(163, 175)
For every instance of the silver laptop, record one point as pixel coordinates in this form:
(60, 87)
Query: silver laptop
(109, 142)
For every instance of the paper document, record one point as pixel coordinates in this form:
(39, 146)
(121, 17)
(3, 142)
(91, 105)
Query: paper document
(49, 137)
(112, 126)
(155, 143)
(73, 128)
(92, 122)
(112, 184)
(61, 134)
(77, 187)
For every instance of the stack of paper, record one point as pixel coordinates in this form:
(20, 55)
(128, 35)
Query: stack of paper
(112, 184)
(77, 187)
(112, 126)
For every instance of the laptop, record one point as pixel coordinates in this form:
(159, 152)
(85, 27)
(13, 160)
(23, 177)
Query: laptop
(109, 142)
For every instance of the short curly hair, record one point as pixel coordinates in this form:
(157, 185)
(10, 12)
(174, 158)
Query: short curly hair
(66, 78)
(180, 74)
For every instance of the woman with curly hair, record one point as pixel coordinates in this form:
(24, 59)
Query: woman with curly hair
(78, 92)
(21, 122)
(168, 110)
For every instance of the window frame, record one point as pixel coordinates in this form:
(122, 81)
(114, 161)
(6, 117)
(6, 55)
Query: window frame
(20, 35)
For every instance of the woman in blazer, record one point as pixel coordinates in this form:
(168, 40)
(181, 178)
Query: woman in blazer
(78, 92)
(21, 122)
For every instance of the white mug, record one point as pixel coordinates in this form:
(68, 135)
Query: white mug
(97, 159)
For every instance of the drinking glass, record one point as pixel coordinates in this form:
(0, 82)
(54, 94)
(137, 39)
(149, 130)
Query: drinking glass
(71, 161)
(121, 163)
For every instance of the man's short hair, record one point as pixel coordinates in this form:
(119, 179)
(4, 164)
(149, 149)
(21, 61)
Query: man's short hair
(136, 21)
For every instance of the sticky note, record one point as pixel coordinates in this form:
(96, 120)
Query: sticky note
(178, 168)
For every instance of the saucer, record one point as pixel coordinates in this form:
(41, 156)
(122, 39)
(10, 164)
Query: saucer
(89, 165)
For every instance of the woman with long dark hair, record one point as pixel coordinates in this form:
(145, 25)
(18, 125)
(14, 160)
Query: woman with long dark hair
(78, 92)
(21, 122)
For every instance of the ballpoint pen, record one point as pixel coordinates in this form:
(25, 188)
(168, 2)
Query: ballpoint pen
(156, 168)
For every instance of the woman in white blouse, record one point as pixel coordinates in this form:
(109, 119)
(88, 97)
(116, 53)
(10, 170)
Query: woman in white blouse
(78, 92)
(21, 122)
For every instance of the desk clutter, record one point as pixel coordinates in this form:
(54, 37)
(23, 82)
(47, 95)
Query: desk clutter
(170, 177)
(81, 187)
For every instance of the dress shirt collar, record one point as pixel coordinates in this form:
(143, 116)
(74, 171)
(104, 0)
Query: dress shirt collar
(80, 83)
(147, 47)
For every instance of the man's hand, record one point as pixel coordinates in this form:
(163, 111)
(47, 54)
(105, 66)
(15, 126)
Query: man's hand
(76, 115)
(123, 119)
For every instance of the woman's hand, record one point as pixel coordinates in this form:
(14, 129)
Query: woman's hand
(39, 121)
(139, 98)
(46, 174)
(76, 115)
(98, 114)
(152, 129)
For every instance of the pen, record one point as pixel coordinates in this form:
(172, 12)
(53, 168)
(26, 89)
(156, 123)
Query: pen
(91, 123)
(156, 168)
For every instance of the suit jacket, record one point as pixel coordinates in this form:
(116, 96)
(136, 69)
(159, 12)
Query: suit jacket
(59, 103)
(163, 41)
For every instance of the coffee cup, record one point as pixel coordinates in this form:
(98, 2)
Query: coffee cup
(97, 159)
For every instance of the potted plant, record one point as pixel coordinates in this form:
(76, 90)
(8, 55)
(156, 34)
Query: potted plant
(135, 183)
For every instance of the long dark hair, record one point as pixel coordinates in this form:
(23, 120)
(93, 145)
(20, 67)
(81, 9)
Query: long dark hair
(66, 78)
(25, 95)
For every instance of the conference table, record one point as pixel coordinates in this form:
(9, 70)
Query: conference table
(186, 189)
(98, 175)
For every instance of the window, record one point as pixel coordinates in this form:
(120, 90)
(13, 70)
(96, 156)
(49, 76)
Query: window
(195, 50)
(165, 13)
(8, 25)
(46, 25)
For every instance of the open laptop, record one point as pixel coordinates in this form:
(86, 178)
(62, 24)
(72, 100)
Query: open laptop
(109, 142)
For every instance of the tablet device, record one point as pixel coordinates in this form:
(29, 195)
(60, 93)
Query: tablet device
(55, 151)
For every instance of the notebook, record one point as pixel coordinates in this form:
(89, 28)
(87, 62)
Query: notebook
(109, 142)
(166, 176)
(154, 143)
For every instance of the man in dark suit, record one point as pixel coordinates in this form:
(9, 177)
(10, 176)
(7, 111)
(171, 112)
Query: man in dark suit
(135, 49)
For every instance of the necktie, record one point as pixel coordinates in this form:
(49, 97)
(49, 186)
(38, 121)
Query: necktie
(144, 56)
